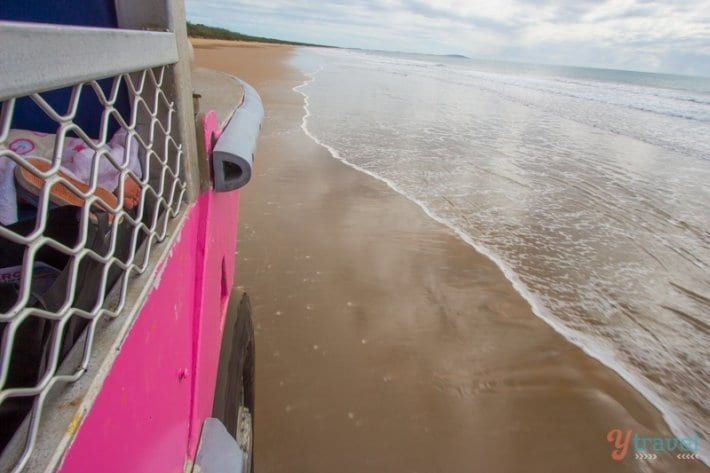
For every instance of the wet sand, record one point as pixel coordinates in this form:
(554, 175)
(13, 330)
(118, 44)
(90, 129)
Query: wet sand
(384, 342)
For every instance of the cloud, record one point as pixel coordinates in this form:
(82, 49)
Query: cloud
(653, 35)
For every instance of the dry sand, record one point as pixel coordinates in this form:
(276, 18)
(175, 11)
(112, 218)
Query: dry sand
(384, 342)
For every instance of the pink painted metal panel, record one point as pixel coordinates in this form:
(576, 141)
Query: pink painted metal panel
(217, 285)
(221, 220)
(139, 420)
(148, 415)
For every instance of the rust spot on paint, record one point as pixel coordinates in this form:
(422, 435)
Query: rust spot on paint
(74, 424)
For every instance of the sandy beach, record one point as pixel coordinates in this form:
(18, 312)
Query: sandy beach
(386, 343)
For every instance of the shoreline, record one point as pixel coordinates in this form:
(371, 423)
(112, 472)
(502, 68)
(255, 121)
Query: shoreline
(587, 382)
(536, 307)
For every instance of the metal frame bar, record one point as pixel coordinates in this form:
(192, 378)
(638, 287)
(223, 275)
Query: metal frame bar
(39, 57)
(170, 15)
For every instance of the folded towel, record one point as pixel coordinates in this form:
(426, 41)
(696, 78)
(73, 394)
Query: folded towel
(77, 157)
(76, 161)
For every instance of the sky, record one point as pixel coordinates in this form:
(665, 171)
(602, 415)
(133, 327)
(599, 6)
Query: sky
(671, 36)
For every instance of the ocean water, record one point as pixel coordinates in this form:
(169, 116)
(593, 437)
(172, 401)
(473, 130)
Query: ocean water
(589, 188)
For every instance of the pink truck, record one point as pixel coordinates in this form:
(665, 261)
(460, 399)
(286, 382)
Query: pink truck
(123, 345)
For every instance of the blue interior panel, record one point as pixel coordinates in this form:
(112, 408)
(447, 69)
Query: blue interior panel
(96, 13)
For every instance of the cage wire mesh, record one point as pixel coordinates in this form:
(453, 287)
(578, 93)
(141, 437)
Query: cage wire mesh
(84, 201)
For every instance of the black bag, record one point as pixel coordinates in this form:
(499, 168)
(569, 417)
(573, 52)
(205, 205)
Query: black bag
(31, 347)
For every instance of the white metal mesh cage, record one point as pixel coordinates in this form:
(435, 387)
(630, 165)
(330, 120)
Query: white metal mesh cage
(82, 206)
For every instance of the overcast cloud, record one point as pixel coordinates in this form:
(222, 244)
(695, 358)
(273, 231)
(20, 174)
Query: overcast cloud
(648, 35)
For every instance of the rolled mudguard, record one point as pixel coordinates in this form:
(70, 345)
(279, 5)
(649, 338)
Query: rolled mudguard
(233, 155)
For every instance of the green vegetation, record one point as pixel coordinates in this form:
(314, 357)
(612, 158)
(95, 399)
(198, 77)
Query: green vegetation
(211, 32)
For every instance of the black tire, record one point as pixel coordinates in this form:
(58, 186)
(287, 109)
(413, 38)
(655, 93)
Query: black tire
(234, 393)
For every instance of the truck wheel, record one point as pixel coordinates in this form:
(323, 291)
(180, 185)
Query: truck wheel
(234, 393)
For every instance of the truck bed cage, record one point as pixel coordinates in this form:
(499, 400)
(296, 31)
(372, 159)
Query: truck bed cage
(84, 261)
